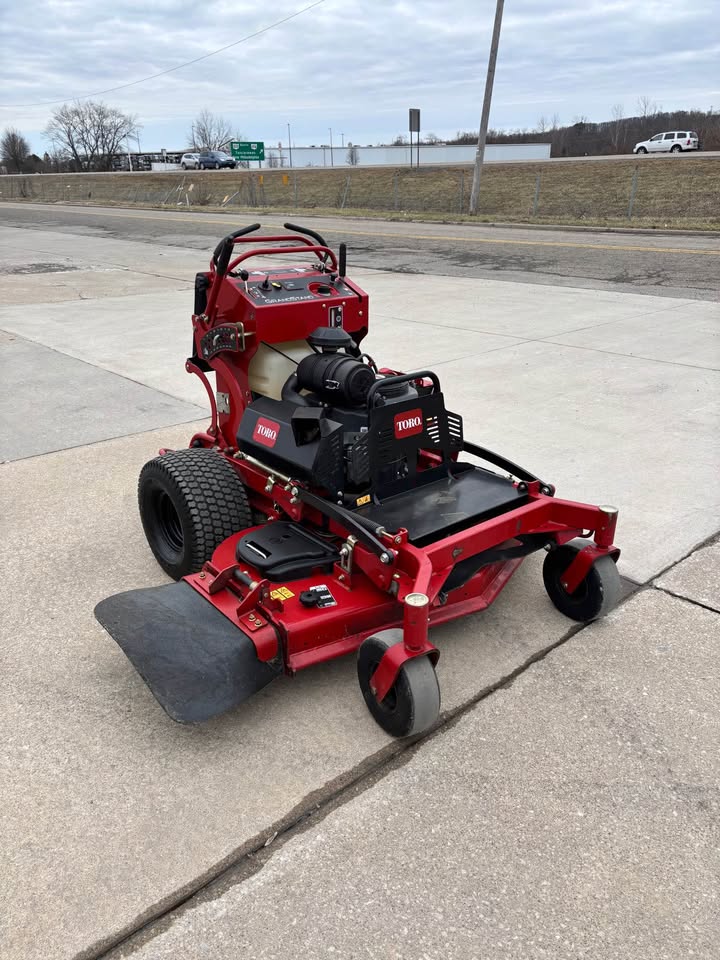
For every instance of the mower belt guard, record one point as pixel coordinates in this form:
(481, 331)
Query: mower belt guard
(195, 661)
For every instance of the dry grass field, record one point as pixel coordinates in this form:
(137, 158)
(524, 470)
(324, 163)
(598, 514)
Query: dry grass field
(669, 192)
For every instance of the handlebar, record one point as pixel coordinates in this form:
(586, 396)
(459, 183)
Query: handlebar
(221, 253)
(403, 378)
(322, 252)
(306, 230)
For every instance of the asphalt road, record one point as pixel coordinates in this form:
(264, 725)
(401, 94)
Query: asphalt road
(662, 264)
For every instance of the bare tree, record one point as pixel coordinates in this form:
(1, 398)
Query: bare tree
(647, 107)
(464, 136)
(209, 132)
(14, 150)
(89, 134)
(400, 140)
(272, 158)
(555, 121)
(542, 124)
(432, 138)
(352, 157)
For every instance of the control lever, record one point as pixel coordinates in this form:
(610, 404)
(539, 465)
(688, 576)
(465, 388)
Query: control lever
(342, 258)
(244, 275)
(266, 282)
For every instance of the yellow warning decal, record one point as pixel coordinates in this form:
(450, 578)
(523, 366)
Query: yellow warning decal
(361, 500)
(281, 593)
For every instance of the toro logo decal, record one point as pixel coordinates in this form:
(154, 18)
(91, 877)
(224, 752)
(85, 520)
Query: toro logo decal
(266, 432)
(408, 423)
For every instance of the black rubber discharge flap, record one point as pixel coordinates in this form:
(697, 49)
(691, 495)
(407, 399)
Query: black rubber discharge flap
(195, 661)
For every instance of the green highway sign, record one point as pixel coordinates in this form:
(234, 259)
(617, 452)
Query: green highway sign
(247, 151)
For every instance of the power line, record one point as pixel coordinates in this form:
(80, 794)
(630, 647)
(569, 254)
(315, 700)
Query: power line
(154, 76)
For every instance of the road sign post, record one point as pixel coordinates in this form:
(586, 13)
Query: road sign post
(414, 125)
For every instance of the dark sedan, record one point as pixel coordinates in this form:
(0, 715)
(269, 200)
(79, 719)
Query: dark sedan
(214, 160)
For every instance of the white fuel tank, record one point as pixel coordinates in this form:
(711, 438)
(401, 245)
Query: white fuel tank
(269, 369)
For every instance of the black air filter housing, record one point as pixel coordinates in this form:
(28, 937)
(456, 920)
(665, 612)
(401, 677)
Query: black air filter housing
(336, 378)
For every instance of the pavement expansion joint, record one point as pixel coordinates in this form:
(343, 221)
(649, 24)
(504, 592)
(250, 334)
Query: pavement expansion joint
(431, 323)
(680, 596)
(200, 419)
(707, 542)
(150, 273)
(98, 366)
(472, 356)
(626, 356)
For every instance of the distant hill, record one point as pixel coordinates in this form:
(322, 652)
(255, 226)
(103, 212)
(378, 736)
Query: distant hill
(619, 135)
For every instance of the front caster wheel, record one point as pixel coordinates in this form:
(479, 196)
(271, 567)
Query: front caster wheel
(413, 702)
(596, 596)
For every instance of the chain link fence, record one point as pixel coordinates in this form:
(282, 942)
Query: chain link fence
(672, 190)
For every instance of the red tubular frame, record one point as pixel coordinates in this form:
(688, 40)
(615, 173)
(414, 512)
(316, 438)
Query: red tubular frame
(563, 519)
(270, 251)
(307, 246)
(383, 589)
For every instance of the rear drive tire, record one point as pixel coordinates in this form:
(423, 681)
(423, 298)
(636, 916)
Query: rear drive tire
(676, 149)
(413, 702)
(190, 501)
(597, 595)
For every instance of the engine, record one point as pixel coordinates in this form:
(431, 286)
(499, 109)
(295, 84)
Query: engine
(318, 431)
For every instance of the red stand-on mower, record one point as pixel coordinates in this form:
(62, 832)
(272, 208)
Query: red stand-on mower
(329, 506)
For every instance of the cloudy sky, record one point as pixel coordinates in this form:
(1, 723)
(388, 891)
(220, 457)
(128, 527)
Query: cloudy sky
(354, 65)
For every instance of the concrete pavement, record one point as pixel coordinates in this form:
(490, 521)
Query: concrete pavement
(111, 813)
(572, 814)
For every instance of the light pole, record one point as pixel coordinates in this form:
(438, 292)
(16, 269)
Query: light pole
(331, 148)
(482, 135)
(342, 140)
(289, 145)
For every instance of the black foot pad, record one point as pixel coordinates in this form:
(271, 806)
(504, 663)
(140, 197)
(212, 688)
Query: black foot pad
(195, 661)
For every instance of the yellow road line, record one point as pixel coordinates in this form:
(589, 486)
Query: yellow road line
(541, 243)
(132, 215)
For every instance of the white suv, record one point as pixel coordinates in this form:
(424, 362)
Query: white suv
(674, 142)
(190, 161)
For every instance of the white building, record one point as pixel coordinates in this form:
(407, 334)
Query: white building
(438, 154)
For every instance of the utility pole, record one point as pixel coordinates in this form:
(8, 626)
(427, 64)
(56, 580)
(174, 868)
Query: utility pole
(289, 145)
(342, 140)
(479, 156)
(331, 148)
